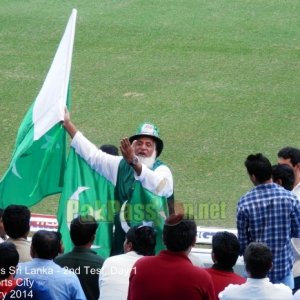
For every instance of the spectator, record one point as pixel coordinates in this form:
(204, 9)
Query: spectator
(114, 278)
(16, 221)
(170, 274)
(291, 157)
(138, 169)
(62, 283)
(283, 175)
(269, 214)
(82, 259)
(11, 288)
(3, 236)
(225, 252)
(110, 149)
(258, 261)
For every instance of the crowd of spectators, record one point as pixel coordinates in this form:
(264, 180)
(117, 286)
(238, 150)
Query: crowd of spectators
(268, 235)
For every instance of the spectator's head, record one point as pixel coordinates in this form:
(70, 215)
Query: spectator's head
(258, 260)
(259, 168)
(45, 244)
(9, 259)
(283, 175)
(2, 230)
(147, 144)
(110, 149)
(16, 221)
(225, 249)
(179, 233)
(83, 230)
(289, 156)
(141, 239)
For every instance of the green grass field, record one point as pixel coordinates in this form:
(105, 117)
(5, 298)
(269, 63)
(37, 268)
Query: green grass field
(219, 78)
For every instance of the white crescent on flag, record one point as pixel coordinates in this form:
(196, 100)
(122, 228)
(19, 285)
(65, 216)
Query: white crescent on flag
(80, 189)
(123, 221)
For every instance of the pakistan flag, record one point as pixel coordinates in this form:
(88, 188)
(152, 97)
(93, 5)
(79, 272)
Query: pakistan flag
(38, 161)
(86, 192)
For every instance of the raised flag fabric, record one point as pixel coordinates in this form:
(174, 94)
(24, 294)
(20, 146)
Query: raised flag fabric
(86, 192)
(38, 161)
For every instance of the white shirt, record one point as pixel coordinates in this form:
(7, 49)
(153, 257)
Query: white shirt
(114, 276)
(261, 289)
(23, 248)
(159, 181)
(296, 241)
(297, 295)
(296, 190)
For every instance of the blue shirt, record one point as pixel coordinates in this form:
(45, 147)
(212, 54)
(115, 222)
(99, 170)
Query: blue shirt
(270, 214)
(25, 290)
(62, 283)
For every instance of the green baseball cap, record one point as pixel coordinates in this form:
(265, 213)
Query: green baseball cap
(149, 130)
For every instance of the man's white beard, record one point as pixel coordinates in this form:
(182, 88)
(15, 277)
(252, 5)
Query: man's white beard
(148, 161)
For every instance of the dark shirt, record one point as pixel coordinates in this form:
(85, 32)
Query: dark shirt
(86, 264)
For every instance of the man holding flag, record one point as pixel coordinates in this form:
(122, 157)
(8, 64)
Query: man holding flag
(142, 182)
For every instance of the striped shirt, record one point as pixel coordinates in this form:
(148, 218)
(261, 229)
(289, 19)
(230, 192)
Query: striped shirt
(270, 214)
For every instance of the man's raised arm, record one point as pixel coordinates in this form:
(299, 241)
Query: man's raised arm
(68, 125)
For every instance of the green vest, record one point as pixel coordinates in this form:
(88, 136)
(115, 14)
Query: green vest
(142, 205)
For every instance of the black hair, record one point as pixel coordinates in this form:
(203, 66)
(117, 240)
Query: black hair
(179, 232)
(16, 221)
(290, 153)
(258, 260)
(9, 259)
(110, 149)
(259, 166)
(83, 230)
(225, 247)
(143, 239)
(283, 174)
(46, 244)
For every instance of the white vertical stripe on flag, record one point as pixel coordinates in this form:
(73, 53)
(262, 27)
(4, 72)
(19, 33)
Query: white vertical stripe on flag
(50, 103)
